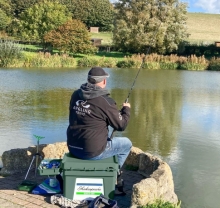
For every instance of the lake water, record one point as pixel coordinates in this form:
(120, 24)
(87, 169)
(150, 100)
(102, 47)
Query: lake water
(175, 115)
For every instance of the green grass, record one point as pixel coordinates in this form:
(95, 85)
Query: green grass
(116, 55)
(161, 204)
(33, 47)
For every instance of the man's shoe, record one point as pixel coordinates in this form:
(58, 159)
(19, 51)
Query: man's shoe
(120, 188)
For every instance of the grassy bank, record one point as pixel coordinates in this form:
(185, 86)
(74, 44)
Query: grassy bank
(115, 60)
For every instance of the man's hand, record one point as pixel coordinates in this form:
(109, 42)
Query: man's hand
(127, 104)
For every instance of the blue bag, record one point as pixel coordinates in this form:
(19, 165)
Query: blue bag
(44, 188)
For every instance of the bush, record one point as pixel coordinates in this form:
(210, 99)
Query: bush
(150, 62)
(133, 61)
(214, 64)
(194, 63)
(28, 57)
(87, 62)
(169, 62)
(71, 37)
(91, 61)
(155, 61)
(67, 61)
(125, 64)
(48, 60)
(9, 52)
(151, 65)
(107, 62)
(169, 65)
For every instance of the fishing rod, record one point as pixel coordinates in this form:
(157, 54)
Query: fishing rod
(142, 63)
(141, 66)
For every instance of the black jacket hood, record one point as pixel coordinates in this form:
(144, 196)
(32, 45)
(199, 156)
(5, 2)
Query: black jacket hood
(89, 91)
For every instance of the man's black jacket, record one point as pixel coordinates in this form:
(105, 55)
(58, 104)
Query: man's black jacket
(91, 112)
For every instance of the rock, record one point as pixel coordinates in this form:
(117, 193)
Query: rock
(133, 157)
(56, 150)
(1, 164)
(145, 191)
(165, 185)
(157, 182)
(18, 160)
(148, 164)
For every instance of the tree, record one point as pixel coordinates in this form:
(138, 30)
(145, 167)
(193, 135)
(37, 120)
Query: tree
(5, 14)
(93, 13)
(36, 21)
(4, 20)
(20, 6)
(72, 36)
(160, 24)
(5, 6)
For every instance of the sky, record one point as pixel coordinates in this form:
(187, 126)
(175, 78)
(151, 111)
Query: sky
(203, 6)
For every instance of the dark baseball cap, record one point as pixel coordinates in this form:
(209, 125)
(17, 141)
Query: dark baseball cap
(96, 75)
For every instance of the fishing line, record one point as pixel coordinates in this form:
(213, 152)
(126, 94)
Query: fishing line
(141, 66)
(148, 50)
(142, 63)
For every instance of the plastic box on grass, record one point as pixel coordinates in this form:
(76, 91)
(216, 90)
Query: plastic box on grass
(50, 167)
(87, 179)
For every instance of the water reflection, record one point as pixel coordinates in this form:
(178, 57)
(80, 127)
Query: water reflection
(155, 119)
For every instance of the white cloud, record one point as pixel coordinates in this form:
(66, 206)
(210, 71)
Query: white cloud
(209, 6)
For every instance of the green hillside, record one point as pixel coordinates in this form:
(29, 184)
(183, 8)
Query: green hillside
(203, 27)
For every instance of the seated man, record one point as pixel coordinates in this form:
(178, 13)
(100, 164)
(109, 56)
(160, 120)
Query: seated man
(91, 112)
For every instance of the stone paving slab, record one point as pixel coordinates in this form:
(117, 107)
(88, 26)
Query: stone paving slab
(11, 197)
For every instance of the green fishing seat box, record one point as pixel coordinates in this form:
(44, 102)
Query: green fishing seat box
(87, 179)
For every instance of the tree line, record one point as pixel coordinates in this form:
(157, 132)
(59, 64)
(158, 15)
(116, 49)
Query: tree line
(63, 24)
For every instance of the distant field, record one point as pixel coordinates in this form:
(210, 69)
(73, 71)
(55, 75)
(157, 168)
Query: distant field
(202, 27)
